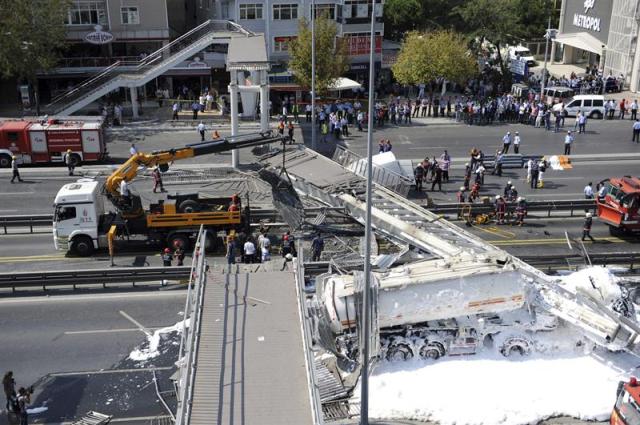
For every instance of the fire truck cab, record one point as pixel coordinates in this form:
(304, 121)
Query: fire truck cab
(48, 141)
(619, 207)
(627, 408)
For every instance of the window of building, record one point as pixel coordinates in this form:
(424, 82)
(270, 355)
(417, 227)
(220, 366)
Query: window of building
(224, 10)
(326, 10)
(250, 11)
(281, 44)
(285, 11)
(130, 15)
(85, 12)
(361, 9)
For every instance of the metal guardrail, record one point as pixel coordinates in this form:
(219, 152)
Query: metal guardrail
(77, 278)
(603, 259)
(307, 336)
(189, 341)
(30, 221)
(384, 177)
(570, 205)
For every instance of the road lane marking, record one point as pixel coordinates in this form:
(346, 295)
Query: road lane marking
(525, 242)
(91, 297)
(106, 331)
(141, 328)
(108, 371)
(27, 258)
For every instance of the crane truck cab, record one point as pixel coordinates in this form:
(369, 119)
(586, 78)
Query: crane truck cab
(627, 408)
(79, 210)
(619, 207)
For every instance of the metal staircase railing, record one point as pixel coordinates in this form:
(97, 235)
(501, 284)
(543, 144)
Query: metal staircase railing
(134, 74)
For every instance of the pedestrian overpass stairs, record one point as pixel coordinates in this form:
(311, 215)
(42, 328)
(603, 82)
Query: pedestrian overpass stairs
(136, 74)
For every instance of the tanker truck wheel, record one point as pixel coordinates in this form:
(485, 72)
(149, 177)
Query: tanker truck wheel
(516, 344)
(399, 352)
(82, 246)
(5, 161)
(432, 351)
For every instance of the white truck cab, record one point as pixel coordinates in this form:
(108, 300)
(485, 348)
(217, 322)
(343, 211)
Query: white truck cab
(522, 53)
(78, 209)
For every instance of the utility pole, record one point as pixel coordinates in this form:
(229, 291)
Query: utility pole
(366, 302)
(314, 142)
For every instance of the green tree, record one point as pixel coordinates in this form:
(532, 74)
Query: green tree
(331, 55)
(33, 34)
(494, 20)
(424, 57)
(401, 16)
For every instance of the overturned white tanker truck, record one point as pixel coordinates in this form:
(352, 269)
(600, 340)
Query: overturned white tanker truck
(439, 307)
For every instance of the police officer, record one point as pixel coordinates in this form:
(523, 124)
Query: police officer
(586, 228)
(419, 175)
(507, 188)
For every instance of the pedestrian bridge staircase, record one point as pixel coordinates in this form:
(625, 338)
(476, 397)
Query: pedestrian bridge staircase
(136, 74)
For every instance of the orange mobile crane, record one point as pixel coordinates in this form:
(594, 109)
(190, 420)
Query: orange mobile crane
(81, 223)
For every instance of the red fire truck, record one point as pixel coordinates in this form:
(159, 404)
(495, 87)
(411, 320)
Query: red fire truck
(620, 205)
(33, 142)
(627, 408)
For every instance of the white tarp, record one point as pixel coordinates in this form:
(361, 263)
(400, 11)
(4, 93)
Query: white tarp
(345, 84)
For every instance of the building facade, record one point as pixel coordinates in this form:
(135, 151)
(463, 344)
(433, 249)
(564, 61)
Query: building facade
(101, 32)
(603, 33)
(278, 20)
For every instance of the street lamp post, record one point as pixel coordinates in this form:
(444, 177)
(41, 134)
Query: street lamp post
(549, 35)
(366, 301)
(314, 142)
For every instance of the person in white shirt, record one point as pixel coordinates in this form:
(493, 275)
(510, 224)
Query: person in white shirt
(209, 101)
(582, 122)
(307, 111)
(265, 245)
(568, 140)
(201, 129)
(636, 131)
(588, 191)
(124, 190)
(249, 252)
(133, 150)
(516, 143)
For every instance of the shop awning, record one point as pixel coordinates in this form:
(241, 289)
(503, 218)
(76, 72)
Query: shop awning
(345, 84)
(581, 40)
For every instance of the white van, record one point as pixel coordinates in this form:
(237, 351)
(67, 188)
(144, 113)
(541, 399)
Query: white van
(521, 52)
(592, 105)
(557, 94)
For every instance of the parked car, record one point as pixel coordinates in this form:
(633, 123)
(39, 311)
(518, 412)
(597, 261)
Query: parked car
(557, 94)
(592, 105)
(611, 85)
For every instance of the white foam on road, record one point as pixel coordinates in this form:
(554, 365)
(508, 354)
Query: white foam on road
(489, 389)
(558, 379)
(153, 342)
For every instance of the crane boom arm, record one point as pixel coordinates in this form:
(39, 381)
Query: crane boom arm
(129, 170)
